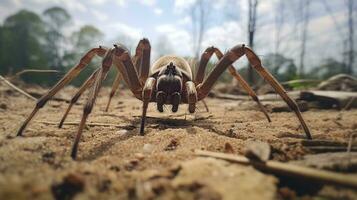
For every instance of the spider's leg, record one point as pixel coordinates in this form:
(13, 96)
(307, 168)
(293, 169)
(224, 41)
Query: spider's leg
(115, 87)
(124, 64)
(244, 84)
(146, 97)
(93, 93)
(234, 54)
(191, 96)
(201, 70)
(88, 83)
(206, 55)
(142, 60)
(205, 105)
(65, 80)
(257, 65)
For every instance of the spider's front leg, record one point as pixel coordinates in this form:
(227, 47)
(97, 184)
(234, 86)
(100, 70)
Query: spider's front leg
(207, 54)
(229, 58)
(64, 81)
(141, 61)
(146, 97)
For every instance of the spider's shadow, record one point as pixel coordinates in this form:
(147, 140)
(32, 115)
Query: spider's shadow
(151, 123)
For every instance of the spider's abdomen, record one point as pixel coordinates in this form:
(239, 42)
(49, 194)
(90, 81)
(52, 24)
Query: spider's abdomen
(177, 61)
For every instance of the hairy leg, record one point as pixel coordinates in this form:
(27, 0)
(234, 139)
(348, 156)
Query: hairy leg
(102, 73)
(201, 70)
(234, 54)
(191, 96)
(142, 60)
(87, 84)
(115, 87)
(146, 97)
(65, 80)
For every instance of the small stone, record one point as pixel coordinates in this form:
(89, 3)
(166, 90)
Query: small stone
(228, 148)
(70, 186)
(131, 165)
(139, 156)
(172, 145)
(122, 132)
(3, 106)
(257, 150)
(148, 148)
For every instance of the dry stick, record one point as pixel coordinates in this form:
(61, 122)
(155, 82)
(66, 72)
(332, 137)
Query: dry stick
(89, 124)
(322, 176)
(17, 89)
(349, 103)
(34, 70)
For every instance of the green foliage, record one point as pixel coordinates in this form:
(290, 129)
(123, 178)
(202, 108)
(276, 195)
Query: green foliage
(86, 38)
(282, 68)
(21, 45)
(56, 20)
(328, 68)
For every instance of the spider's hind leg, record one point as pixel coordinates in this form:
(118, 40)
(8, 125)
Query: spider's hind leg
(93, 93)
(64, 81)
(88, 83)
(115, 87)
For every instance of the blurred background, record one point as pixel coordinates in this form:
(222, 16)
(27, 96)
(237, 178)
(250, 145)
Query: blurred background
(296, 39)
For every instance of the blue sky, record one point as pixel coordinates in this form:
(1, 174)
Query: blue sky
(170, 22)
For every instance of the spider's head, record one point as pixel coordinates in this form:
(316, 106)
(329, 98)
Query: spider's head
(169, 87)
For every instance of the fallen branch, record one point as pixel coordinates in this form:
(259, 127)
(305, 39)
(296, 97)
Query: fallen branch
(17, 89)
(275, 167)
(301, 81)
(33, 70)
(127, 127)
(326, 149)
(309, 143)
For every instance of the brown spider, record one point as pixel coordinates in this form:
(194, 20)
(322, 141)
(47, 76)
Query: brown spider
(169, 81)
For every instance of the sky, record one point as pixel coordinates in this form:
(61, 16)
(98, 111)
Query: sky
(169, 22)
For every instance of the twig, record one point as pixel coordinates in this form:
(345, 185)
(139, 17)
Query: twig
(33, 70)
(301, 81)
(349, 148)
(349, 103)
(128, 127)
(326, 149)
(297, 171)
(309, 143)
(17, 89)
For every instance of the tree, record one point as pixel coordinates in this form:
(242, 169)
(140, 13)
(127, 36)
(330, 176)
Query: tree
(163, 46)
(199, 16)
(350, 37)
(328, 68)
(21, 45)
(284, 69)
(56, 19)
(305, 13)
(84, 39)
(252, 19)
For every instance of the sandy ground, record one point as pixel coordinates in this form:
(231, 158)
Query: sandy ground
(114, 162)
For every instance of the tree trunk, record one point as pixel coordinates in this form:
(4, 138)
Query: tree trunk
(252, 14)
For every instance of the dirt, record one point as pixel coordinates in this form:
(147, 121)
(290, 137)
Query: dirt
(115, 162)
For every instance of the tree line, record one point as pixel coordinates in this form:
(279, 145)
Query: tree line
(30, 40)
(42, 41)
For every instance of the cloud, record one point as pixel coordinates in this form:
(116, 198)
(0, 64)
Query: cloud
(124, 29)
(148, 2)
(158, 11)
(179, 38)
(101, 16)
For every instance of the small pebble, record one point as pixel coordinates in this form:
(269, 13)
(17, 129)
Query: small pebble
(122, 132)
(139, 156)
(148, 148)
(3, 106)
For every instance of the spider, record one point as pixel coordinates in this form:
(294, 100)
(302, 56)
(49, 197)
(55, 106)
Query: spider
(169, 81)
